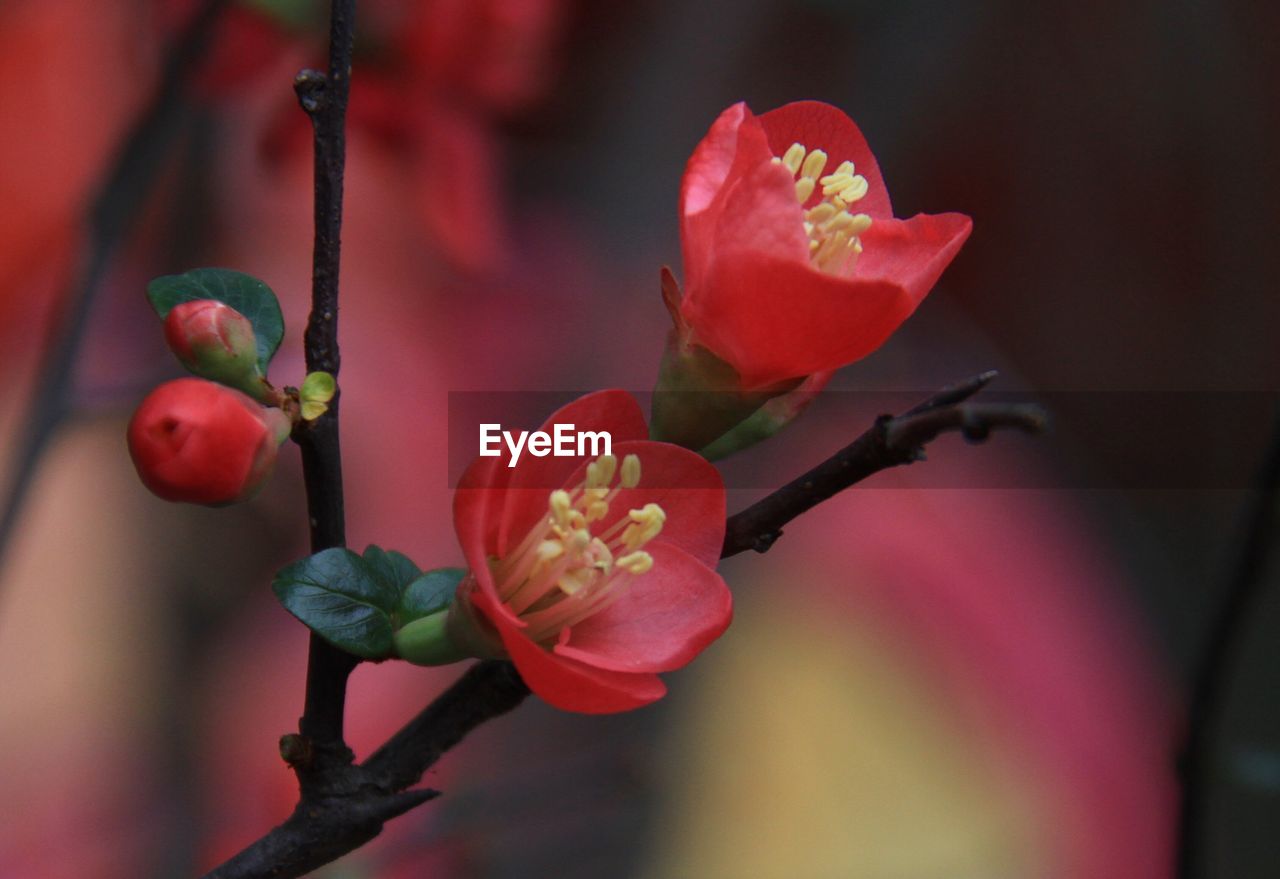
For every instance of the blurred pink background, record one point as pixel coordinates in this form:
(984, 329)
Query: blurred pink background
(920, 681)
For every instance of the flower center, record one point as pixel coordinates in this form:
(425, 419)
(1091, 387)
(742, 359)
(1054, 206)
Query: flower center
(833, 231)
(568, 567)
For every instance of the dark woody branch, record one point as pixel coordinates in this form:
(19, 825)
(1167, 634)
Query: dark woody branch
(324, 98)
(346, 805)
(890, 442)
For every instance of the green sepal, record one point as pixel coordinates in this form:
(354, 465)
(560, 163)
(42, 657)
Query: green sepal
(424, 636)
(426, 641)
(343, 598)
(430, 593)
(245, 293)
(698, 398)
(766, 421)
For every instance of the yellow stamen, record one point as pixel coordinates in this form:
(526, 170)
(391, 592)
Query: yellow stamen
(568, 567)
(793, 157)
(560, 505)
(638, 562)
(646, 524)
(832, 230)
(630, 471)
(856, 190)
(813, 164)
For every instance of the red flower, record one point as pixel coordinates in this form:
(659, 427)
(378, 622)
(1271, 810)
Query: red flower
(594, 577)
(794, 263)
(195, 441)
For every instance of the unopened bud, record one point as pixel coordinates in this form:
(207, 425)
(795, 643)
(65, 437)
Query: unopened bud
(202, 443)
(214, 341)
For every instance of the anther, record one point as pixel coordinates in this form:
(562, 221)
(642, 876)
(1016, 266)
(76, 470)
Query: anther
(630, 471)
(638, 562)
(856, 190)
(560, 505)
(608, 465)
(793, 157)
(836, 183)
(813, 164)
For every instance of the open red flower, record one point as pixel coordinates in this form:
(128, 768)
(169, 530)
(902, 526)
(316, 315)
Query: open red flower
(595, 576)
(794, 262)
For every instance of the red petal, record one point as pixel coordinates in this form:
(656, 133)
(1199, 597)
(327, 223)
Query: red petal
(667, 617)
(712, 158)
(688, 488)
(734, 146)
(574, 686)
(773, 319)
(453, 166)
(822, 126)
(760, 218)
(912, 253)
(533, 479)
(477, 506)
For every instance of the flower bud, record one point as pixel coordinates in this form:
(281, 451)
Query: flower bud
(214, 341)
(196, 441)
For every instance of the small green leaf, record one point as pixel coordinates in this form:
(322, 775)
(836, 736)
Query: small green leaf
(430, 593)
(395, 569)
(318, 386)
(311, 410)
(245, 293)
(341, 598)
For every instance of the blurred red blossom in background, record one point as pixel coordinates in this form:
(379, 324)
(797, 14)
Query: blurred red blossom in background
(434, 76)
(1037, 685)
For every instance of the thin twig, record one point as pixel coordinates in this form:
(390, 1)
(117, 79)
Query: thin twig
(112, 215)
(1209, 684)
(890, 442)
(491, 688)
(324, 98)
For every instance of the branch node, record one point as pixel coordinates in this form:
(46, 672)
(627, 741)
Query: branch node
(764, 542)
(312, 88)
(296, 751)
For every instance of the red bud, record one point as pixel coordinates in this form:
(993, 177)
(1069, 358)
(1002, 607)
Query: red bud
(196, 441)
(214, 341)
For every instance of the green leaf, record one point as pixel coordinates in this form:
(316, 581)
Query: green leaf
(341, 598)
(394, 569)
(430, 593)
(318, 386)
(245, 293)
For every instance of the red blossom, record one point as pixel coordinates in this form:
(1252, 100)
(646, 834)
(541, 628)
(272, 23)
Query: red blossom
(195, 441)
(595, 577)
(794, 262)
